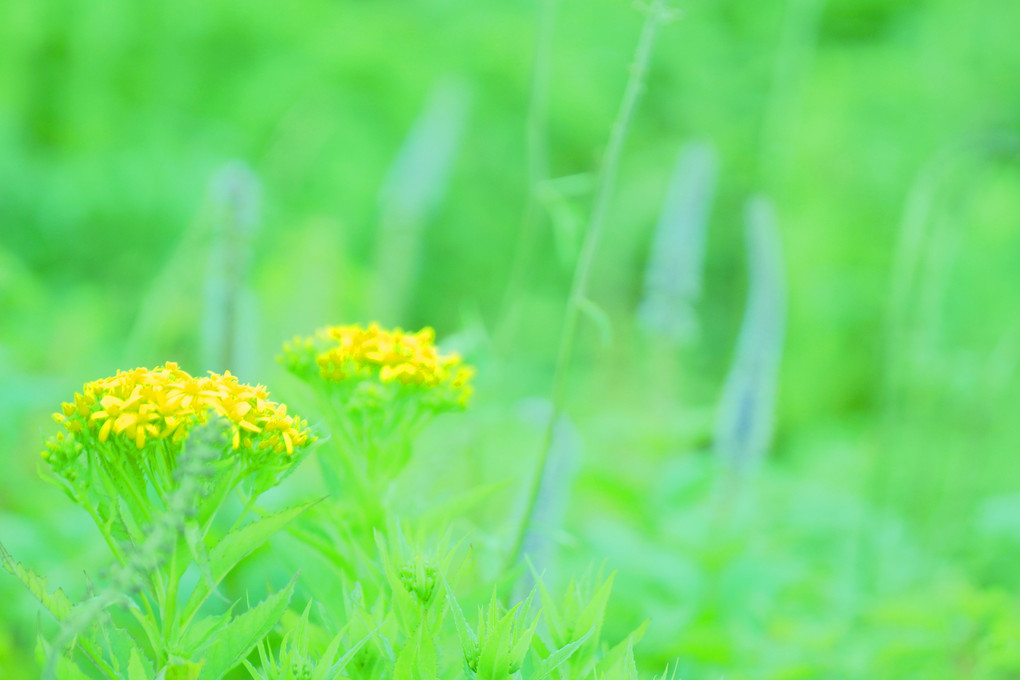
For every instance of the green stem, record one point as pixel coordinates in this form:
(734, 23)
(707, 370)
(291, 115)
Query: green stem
(169, 613)
(582, 274)
(536, 136)
(147, 622)
(104, 530)
(96, 657)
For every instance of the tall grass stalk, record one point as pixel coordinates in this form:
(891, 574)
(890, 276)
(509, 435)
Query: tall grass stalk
(905, 473)
(536, 142)
(577, 300)
(746, 415)
(673, 278)
(793, 58)
(913, 242)
(416, 184)
(228, 319)
(551, 504)
(176, 294)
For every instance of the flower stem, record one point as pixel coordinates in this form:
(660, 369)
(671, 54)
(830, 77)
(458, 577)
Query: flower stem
(656, 14)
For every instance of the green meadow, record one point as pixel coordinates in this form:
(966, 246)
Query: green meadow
(725, 373)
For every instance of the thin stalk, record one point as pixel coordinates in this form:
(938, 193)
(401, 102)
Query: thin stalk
(112, 544)
(793, 59)
(656, 15)
(170, 600)
(536, 136)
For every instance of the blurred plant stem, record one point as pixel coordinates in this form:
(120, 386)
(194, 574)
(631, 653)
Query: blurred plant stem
(228, 322)
(656, 14)
(793, 59)
(903, 475)
(536, 140)
(415, 186)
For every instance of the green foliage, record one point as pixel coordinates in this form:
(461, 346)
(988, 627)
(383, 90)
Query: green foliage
(405, 174)
(56, 602)
(240, 635)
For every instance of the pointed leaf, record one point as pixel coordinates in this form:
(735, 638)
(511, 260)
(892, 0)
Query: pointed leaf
(245, 631)
(234, 547)
(184, 670)
(56, 602)
(617, 652)
(138, 669)
(561, 655)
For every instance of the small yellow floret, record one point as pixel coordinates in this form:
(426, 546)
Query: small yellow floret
(143, 406)
(345, 354)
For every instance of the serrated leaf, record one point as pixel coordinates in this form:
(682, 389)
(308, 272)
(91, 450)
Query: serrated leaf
(137, 668)
(63, 668)
(625, 668)
(185, 670)
(417, 660)
(56, 602)
(553, 661)
(234, 547)
(464, 631)
(553, 619)
(595, 612)
(324, 671)
(68, 670)
(494, 656)
(197, 636)
(245, 631)
(617, 652)
(120, 644)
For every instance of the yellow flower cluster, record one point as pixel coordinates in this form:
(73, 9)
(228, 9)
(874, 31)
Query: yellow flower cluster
(353, 353)
(142, 405)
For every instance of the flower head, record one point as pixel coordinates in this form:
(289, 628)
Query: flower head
(138, 420)
(410, 362)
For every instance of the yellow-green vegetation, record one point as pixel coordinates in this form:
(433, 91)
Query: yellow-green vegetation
(723, 375)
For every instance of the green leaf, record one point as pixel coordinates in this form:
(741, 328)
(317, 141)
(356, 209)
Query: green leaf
(595, 613)
(68, 670)
(494, 656)
(184, 670)
(236, 641)
(199, 633)
(324, 671)
(598, 316)
(63, 668)
(618, 652)
(560, 655)
(56, 602)
(553, 620)
(417, 660)
(467, 636)
(121, 646)
(234, 547)
(625, 668)
(137, 668)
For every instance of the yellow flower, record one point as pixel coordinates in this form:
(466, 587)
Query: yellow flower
(352, 354)
(160, 406)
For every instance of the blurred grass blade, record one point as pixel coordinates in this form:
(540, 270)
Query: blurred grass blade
(656, 14)
(565, 456)
(744, 422)
(415, 185)
(228, 319)
(673, 278)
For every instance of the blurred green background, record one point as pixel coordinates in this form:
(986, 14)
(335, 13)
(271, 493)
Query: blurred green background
(320, 162)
